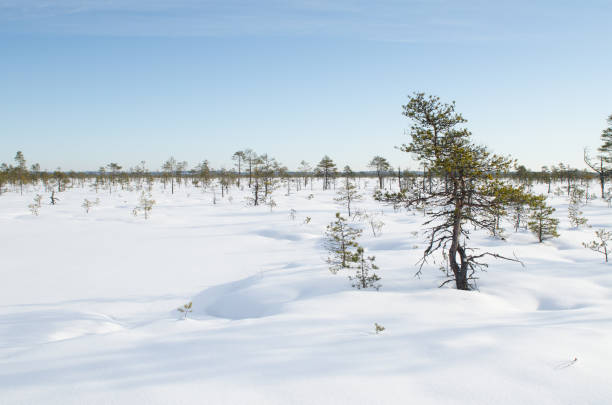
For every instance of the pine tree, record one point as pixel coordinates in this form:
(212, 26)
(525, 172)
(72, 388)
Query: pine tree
(88, 204)
(35, 206)
(518, 215)
(239, 157)
(340, 243)
(573, 210)
(348, 194)
(382, 166)
(145, 204)
(601, 244)
(365, 276)
(4, 176)
(114, 170)
(202, 172)
(173, 169)
(603, 163)
(21, 170)
(541, 222)
(53, 199)
(305, 170)
(467, 185)
(326, 169)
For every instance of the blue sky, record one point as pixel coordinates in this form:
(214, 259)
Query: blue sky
(84, 83)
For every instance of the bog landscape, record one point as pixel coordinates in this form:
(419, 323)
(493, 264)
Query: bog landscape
(258, 284)
(343, 202)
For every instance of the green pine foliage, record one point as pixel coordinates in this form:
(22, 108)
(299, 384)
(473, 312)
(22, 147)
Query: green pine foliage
(340, 242)
(327, 170)
(573, 211)
(364, 276)
(541, 221)
(465, 187)
(347, 195)
(382, 167)
(606, 138)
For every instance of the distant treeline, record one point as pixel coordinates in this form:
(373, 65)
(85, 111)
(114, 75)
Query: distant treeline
(249, 169)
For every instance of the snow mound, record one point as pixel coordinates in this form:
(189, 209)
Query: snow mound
(43, 326)
(278, 234)
(265, 294)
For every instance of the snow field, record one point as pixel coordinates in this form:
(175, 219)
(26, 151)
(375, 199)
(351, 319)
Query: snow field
(88, 308)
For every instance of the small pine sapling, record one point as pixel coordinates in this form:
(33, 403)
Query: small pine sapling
(271, 203)
(348, 194)
(88, 204)
(376, 224)
(601, 244)
(365, 276)
(33, 209)
(340, 240)
(307, 220)
(145, 205)
(185, 309)
(519, 212)
(541, 222)
(35, 206)
(378, 328)
(573, 211)
(372, 219)
(497, 213)
(53, 199)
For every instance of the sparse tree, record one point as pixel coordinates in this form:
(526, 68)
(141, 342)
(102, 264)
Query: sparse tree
(541, 221)
(376, 224)
(469, 187)
(145, 204)
(186, 309)
(603, 162)
(519, 211)
(382, 166)
(113, 171)
(252, 159)
(4, 176)
(364, 276)
(326, 169)
(21, 170)
(88, 204)
(35, 206)
(348, 194)
(271, 203)
(173, 169)
(202, 172)
(305, 171)
(601, 244)
(53, 199)
(239, 157)
(340, 242)
(573, 210)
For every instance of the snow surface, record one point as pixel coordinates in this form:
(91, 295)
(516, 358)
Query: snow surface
(88, 308)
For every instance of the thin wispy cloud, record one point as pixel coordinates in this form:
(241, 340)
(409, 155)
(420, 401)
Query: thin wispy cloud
(390, 20)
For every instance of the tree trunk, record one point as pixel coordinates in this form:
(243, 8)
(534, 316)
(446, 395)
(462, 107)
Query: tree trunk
(459, 270)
